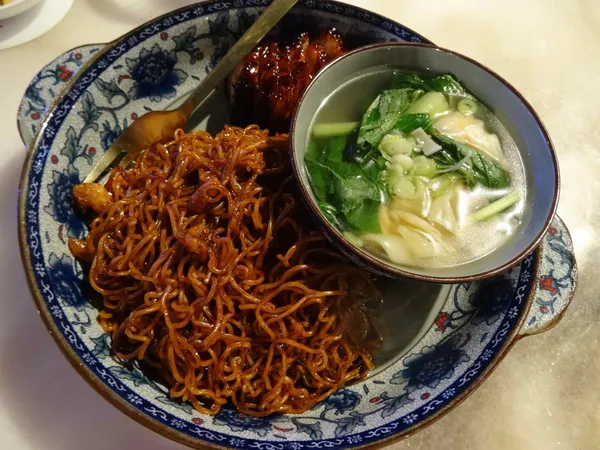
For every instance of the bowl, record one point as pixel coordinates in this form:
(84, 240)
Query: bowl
(16, 7)
(369, 68)
(441, 341)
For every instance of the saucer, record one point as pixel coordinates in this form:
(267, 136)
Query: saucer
(32, 23)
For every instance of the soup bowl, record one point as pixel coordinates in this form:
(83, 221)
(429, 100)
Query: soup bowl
(366, 72)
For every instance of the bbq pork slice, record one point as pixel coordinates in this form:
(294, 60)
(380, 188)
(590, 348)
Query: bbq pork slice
(266, 87)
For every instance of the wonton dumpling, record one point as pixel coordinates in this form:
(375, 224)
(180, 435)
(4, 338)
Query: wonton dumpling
(419, 206)
(406, 218)
(442, 212)
(420, 244)
(393, 245)
(385, 221)
(406, 236)
(471, 131)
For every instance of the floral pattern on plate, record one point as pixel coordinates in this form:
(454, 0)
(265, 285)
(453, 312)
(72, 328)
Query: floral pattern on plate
(46, 86)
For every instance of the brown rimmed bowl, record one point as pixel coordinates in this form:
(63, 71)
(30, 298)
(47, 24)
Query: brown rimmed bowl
(514, 112)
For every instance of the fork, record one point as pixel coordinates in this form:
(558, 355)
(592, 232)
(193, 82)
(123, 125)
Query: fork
(160, 126)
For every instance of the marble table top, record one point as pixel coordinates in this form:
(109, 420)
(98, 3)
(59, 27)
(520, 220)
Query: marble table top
(545, 393)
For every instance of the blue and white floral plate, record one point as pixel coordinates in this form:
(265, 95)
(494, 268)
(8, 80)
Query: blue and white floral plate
(451, 338)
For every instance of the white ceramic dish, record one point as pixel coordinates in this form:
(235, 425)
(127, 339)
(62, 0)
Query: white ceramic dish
(15, 8)
(33, 23)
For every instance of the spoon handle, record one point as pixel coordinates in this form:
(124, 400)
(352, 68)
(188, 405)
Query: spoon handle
(265, 22)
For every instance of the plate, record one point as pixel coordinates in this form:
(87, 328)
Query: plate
(15, 8)
(31, 24)
(441, 342)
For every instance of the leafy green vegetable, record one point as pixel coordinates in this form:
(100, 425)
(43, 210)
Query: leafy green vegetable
(445, 84)
(331, 213)
(488, 172)
(319, 176)
(363, 215)
(374, 168)
(478, 169)
(410, 122)
(381, 116)
(343, 186)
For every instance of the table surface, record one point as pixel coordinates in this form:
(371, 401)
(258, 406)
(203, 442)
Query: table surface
(543, 395)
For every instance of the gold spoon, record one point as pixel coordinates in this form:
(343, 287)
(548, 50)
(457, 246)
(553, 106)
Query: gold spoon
(159, 126)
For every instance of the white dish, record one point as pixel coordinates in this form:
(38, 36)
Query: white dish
(15, 8)
(40, 18)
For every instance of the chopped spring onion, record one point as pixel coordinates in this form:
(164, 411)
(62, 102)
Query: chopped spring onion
(427, 145)
(496, 207)
(395, 145)
(393, 174)
(405, 189)
(334, 129)
(403, 161)
(467, 107)
(442, 184)
(425, 167)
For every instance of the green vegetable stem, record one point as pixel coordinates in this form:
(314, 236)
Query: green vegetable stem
(496, 207)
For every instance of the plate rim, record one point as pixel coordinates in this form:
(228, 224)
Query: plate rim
(106, 392)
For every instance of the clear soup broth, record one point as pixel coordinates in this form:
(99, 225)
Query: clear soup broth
(414, 169)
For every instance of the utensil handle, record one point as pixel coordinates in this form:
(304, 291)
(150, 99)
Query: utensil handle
(555, 283)
(265, 23)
